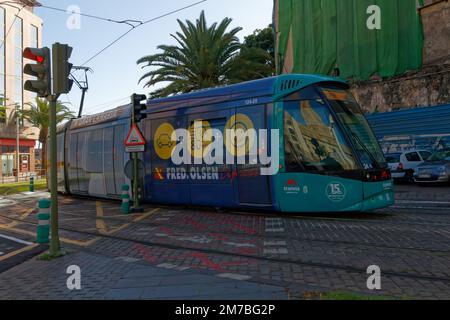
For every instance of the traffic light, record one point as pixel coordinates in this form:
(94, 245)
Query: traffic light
(42, 70)
(138, 106)
(62, 68)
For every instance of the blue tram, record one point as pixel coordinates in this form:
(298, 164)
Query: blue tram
(329, 159)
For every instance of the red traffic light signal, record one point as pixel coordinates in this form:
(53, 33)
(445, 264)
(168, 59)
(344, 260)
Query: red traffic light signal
(34, 54)
(41, 70)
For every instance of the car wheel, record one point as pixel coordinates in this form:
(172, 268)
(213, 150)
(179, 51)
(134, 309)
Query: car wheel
(409, 177)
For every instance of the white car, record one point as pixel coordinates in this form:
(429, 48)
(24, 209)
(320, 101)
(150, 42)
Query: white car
(403, 165)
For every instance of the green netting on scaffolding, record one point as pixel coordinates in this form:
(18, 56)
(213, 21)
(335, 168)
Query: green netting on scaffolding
(318, 35)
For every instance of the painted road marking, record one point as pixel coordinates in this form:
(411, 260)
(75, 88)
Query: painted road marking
(233, 276)
(276, 251)
(171, 266)
(240, 245)
(274, 225)
(274, 243)
(127, 259)
(15, 223)
(275, 247)
(6, 203)
(15, 240)
(14, 253)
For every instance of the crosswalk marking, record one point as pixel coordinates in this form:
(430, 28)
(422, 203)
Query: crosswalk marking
(233, 276)
(274, 225)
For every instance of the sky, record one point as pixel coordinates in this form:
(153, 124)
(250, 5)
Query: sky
(115, 72)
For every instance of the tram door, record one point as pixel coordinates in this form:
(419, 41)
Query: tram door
(253, 187)
(108, 159)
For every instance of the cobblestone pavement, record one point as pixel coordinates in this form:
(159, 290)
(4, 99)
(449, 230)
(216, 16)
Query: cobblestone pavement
(198, 253)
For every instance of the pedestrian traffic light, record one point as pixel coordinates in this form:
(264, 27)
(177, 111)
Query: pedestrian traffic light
(138, 107)
(42, 70)
(62, 68)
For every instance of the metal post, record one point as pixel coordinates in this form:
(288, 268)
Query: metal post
(136, 201)
(55, 247)
(17, 143)
(136, 182)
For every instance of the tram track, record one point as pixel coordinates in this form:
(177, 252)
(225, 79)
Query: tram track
(182, 230)
(269, 259)
(266, 237)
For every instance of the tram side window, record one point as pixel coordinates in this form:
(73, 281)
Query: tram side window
(94, 163)
(313, 140)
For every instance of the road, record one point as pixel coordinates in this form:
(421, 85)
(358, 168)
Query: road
(178, 253)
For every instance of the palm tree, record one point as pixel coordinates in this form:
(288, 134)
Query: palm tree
(38, 116)
(204, 57)
(2, 107)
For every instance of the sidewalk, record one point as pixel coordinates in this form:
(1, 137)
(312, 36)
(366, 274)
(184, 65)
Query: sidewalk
(124, 279)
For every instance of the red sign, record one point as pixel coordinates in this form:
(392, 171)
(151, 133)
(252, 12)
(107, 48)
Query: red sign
(135, 137)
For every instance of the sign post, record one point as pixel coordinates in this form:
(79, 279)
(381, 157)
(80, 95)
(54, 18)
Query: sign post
(134, 144)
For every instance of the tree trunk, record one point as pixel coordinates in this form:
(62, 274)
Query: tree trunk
(43, 135)
(44, 156)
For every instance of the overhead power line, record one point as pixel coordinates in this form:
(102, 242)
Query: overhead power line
(14, 21)
(139, 25)
(130, 22)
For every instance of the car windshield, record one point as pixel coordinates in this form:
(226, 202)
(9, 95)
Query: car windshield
(356, 124)
(440, 156)
(393, 158)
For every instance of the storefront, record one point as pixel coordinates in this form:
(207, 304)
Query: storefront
(8, 157)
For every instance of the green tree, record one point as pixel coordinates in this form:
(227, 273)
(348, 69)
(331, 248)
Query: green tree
(263, 39)
(2, 108)
(39, 117)
(206, 56)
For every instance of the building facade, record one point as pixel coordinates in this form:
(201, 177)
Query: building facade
(19, 28)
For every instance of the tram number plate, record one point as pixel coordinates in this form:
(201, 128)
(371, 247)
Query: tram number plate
(425, 176)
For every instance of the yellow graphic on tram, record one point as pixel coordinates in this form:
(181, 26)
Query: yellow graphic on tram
(201, 138)
(241, 142)
(162, 142)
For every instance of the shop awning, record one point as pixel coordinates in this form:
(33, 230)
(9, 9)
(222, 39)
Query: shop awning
(22, 142)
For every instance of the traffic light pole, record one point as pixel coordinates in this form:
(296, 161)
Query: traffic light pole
(55, 246)
(136, 201)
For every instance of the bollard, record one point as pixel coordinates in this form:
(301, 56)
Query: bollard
(31, 184)
(43, 229)
(125, 199)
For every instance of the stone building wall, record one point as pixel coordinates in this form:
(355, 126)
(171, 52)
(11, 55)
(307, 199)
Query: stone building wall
(427, 87)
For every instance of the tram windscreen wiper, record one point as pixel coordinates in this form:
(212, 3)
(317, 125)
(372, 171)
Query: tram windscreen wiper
(371, 156)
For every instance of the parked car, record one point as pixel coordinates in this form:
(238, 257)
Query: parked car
(403, 164)
(435, 170)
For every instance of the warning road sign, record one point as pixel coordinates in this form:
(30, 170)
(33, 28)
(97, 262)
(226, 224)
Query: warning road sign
(135, 141)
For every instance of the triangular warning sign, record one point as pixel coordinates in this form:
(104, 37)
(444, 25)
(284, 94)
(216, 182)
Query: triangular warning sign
(135, 137)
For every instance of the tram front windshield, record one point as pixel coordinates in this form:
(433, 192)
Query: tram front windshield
(318, 140)
(357, 127)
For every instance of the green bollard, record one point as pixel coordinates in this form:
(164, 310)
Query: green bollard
(31, 184)
(43, 228)
(125, 199)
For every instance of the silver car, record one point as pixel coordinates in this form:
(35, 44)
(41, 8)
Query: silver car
(435, 170)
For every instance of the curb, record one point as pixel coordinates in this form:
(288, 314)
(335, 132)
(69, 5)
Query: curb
(22, 257)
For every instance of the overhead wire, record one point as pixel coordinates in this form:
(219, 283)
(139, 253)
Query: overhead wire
(139, 25)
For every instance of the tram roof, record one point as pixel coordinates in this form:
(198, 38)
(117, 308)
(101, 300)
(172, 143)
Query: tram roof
(106, 116)
(277, 87)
